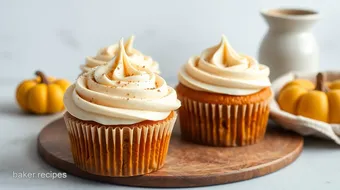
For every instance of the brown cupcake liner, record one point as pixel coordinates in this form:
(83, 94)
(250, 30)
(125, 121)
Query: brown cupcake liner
(223, 125)
(119, 151)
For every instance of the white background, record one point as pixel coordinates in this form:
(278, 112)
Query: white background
(55, 36)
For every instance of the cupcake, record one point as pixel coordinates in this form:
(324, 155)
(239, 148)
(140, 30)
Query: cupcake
(225, 97)
(119, 118)
(106, 54)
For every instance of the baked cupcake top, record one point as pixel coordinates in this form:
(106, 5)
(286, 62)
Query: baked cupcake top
(106, 54)
(121, 92)
(220, 69)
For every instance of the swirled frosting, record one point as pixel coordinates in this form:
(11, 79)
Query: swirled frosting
(106, 54)
(120, 92)
(220, 69)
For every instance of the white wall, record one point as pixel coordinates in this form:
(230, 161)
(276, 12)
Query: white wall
(55, 36)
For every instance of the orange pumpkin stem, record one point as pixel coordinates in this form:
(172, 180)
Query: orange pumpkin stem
(42, 76)
(320, 82)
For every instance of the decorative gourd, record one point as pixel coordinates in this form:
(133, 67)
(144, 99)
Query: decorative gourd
(41, 95)
(301, 97)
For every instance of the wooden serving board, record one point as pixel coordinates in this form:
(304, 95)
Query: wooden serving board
(187, 164)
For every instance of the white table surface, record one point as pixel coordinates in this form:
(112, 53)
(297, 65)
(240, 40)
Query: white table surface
(317, 168)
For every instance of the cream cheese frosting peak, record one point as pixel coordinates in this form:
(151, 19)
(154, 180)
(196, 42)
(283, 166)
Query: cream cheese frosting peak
(120, 92)
(223, 55)
(220, 69)
(106, 54)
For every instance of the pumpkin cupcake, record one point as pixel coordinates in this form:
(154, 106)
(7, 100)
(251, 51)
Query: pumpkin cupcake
(107, 53)
(119, 117)
(224, 97)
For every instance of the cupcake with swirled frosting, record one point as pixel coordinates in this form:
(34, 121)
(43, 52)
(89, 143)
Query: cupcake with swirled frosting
(107, 53)
(225, 97)
(119, 117)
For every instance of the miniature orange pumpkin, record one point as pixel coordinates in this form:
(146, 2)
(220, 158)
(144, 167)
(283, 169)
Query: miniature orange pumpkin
(301, 97)
(41, 95)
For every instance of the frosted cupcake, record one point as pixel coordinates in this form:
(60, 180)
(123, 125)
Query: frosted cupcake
(224, 97)
(119, 117)
(106, 54)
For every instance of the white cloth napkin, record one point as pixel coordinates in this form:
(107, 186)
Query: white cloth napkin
(300, 124)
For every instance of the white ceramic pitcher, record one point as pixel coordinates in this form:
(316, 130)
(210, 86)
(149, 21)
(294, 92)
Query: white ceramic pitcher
(289, 44)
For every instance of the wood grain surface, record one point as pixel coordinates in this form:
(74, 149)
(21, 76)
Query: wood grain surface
(187, 164)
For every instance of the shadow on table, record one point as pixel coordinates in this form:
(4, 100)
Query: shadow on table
(320, 144)
(11, 109)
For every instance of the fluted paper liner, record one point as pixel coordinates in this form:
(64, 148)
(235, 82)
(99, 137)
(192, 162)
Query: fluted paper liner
(119, 151)
(303, 125)
(223, 125)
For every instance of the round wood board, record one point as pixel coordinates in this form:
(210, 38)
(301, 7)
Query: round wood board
(187, 164)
